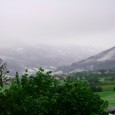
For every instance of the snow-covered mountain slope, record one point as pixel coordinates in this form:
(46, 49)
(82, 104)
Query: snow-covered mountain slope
(21, 57)
(103, 60)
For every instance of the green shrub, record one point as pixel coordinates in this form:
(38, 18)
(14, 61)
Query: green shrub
(41, 94)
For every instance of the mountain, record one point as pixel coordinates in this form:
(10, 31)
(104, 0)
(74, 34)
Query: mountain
(103, 60)
(23, 56)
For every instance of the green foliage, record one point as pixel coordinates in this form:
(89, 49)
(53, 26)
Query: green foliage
(96, 77)
(114, 89)
(41, 94)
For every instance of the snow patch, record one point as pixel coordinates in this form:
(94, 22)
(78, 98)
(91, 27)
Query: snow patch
(108, 56)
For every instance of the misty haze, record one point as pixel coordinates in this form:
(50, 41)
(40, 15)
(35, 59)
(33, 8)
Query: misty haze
(70, 38)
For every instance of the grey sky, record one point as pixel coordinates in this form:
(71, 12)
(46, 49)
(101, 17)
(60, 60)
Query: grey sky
(86, 22)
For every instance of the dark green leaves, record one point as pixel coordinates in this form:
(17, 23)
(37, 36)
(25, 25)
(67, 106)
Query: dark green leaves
(42, 94)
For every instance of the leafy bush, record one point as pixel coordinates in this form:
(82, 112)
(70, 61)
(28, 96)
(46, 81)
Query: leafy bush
(41, 94)
(114, 89)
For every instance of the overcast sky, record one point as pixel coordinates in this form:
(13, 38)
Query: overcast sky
(86, 22)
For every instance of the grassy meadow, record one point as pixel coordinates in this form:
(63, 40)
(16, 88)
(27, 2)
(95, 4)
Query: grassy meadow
(108, 94)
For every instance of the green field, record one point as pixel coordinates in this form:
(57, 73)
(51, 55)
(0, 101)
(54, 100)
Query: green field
(109, 96)
(108, 87)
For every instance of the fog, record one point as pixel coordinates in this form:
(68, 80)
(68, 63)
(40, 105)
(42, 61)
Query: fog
(58, 22)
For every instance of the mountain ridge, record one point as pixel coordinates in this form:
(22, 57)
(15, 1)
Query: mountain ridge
(103, 60)
(23, 57)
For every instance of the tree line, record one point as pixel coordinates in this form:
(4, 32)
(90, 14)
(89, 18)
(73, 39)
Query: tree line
(42, 94)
